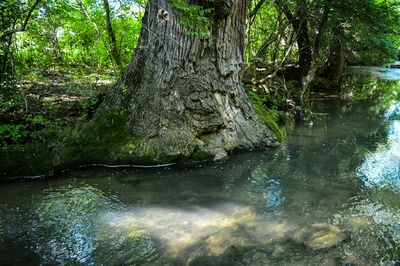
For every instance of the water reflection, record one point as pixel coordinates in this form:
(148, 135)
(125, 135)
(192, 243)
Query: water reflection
(375, 228)
(382, 167)
(392, 74)
(261, 185)
(379, 215)
(393, 112)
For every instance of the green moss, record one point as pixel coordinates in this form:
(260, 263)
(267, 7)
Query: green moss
(200, 156)
(267, 116)
(25, 160)
(93, 141)
(106, 140)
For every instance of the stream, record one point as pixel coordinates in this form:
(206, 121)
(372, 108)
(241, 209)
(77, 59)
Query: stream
(337, 180)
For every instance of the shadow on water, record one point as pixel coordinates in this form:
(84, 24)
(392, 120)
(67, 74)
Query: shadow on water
(329, 195)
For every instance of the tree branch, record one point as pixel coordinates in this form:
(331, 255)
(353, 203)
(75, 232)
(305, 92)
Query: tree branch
(22, 28)
(285, 9)
(256, 9)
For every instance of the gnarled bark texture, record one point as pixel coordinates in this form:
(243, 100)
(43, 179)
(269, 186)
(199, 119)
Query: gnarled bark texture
(181, 95)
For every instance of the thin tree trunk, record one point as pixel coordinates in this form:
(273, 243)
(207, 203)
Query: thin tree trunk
(5, 57)
(113, 41)
(257, 8)
(89, 18)
(303, 39)
(300, 28)
(180, 98)
(6, 39)
(336, 60)
(310, 75)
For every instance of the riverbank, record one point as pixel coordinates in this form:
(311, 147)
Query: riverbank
(42, 152)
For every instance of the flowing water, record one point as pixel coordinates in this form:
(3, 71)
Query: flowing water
(329, 195)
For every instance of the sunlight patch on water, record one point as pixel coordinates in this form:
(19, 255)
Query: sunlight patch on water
(215, 229)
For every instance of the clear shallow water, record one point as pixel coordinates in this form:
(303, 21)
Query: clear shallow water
(344, 171)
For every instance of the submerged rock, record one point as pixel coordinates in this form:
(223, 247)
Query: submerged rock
(233, 256)
(319, 236)
(279, 251)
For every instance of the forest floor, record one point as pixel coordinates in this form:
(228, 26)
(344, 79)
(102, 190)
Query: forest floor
(54, 102)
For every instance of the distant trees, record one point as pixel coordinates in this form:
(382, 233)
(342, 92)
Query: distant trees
(67, 35)
(319, 35)
(15, 17)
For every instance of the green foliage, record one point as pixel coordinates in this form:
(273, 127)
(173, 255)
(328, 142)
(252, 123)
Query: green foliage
(194, 17)
(11, 96)
(267, 39)
(22, 133)
(26, 118)
(89, 104)
(370, 27)
(369, 30)
(13, 133)
(66, 37)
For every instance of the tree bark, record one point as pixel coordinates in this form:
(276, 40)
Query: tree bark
(181, 96)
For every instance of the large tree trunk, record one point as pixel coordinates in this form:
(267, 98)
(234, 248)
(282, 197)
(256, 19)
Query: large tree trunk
(181, 95)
